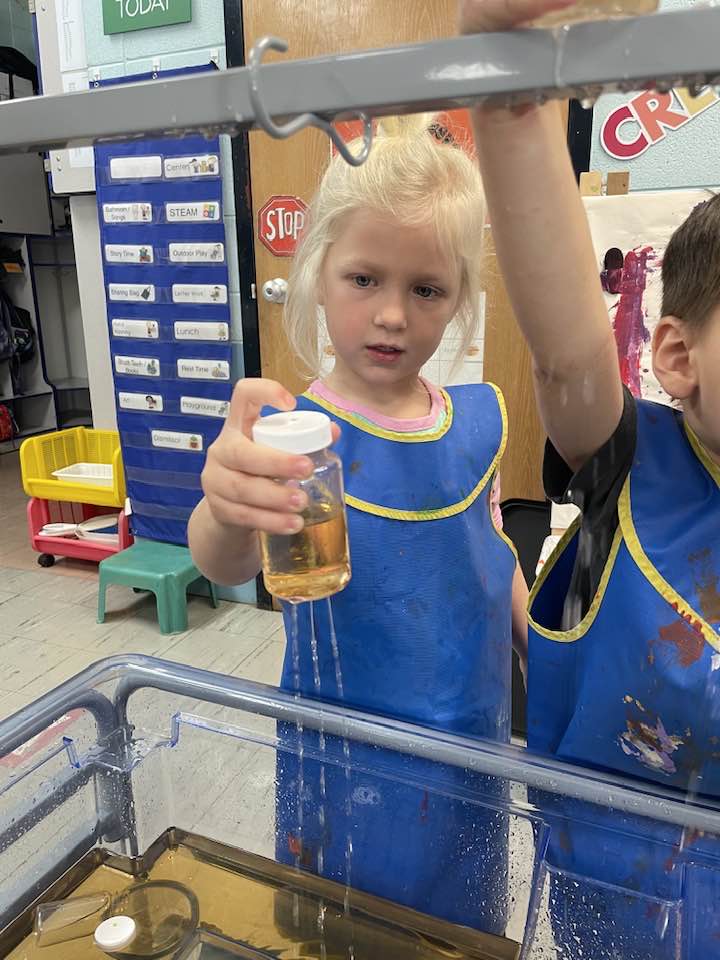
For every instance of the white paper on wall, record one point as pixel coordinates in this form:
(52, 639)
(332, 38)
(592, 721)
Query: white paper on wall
(71, 35)
(639, 225)
(72, 82)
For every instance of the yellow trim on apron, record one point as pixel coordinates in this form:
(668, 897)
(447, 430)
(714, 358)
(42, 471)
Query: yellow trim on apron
(441, 513)
(568, 636)
(653, 575)
(626, 532)
(376, 431)
(702, 453)
(553, 558)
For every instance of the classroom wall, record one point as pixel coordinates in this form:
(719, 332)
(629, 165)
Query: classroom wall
(181, 45)
(86, 234)
(686, 157)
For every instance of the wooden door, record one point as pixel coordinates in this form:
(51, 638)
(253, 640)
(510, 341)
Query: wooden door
(507, 363)
(294, 167)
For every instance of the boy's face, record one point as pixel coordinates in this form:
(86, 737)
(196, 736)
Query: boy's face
(703, 410)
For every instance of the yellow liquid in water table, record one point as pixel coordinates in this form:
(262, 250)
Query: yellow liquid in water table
(312, 564)
(252, 907)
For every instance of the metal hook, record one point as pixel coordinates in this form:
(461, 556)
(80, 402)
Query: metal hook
(285, 130)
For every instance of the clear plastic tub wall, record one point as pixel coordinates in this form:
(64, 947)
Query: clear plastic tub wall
(134, 746)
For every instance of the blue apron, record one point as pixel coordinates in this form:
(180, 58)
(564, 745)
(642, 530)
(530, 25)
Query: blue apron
(634, 689)
(423, 634)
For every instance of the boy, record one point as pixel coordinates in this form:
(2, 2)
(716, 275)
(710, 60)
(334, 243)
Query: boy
(624, 644)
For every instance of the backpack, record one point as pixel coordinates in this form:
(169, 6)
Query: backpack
(17, 337)
(8, 427)
(7, 339)
(23, 334)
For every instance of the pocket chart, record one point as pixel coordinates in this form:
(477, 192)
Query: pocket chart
(166, 282)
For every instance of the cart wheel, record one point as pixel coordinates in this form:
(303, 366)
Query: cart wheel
(46, 560)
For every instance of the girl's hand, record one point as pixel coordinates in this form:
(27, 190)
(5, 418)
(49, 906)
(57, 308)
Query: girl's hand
(239, 475)
(490, 16)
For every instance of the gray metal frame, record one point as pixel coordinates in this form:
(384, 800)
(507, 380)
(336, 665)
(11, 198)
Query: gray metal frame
(128, 674)
(582, 60)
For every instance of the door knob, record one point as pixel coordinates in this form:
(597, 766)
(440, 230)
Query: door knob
(275, 291)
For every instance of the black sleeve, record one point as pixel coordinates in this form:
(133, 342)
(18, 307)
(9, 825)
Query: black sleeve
(595, 489)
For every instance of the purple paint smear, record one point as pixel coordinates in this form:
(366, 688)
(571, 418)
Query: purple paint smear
(631, 333)
(650, 744)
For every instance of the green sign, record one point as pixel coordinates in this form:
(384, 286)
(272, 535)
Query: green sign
(122, 16)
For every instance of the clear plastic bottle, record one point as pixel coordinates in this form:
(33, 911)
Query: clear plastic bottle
(315, 562)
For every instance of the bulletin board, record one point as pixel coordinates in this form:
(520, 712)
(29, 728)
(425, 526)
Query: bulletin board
(630, 234)
(166, 286)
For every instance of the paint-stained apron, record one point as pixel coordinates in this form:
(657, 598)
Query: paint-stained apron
(635, 689)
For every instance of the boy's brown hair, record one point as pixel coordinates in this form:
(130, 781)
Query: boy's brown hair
(691, 266)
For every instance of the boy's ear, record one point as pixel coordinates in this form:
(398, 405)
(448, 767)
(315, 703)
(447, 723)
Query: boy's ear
(673, 361)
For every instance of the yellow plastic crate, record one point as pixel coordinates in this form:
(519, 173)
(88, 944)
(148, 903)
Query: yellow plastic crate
(40, 456)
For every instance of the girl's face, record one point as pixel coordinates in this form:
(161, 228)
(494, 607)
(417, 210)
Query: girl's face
(389, 291)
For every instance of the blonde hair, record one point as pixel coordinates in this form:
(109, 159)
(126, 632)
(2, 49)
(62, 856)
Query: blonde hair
(417, 180)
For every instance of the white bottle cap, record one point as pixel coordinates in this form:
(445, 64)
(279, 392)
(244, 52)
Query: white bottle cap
(115, 933)
(301, 431)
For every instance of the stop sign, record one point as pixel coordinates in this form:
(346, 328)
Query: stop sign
(280, 222)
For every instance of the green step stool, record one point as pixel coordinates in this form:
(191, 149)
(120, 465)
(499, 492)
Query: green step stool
(165, 569)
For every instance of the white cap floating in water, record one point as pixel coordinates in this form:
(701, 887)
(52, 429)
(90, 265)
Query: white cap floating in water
(115, 933)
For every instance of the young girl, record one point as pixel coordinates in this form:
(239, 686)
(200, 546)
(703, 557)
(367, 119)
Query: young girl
(389, 260)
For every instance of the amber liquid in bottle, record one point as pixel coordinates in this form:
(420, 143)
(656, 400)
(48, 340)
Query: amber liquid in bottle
(312, 564)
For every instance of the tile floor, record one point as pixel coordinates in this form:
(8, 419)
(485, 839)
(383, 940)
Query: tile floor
(48, 629)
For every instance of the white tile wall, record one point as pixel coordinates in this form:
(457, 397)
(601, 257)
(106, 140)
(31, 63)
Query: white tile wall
(442, 367)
